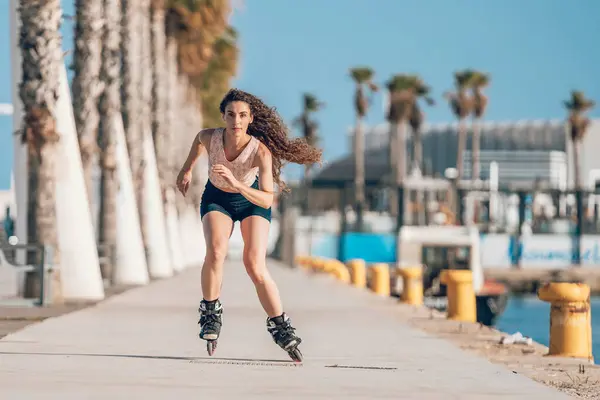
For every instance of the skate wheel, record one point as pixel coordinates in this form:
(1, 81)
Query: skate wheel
(211, 346)
(295, 354)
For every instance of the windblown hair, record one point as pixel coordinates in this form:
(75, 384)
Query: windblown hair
(268, 127)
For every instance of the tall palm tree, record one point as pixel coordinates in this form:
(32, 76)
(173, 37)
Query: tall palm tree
(130, 91)
(402, 96)
(416, 121)
(308, 126)
(478, 82)
(160, 92)
(363, 79)
(578, 122)
(171, 105)
(87, 86)
(110, 108)
(214, 81)
(207, 50)
(145, 110)
(40, 44)
(461, 105)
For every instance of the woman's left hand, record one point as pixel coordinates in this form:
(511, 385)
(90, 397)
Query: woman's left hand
(226, 174)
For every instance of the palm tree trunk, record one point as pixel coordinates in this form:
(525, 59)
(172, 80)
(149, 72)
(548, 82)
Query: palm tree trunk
(476, 165)
(178, 138)
(359, 172)
(160, 92)
(401, 155)
(130, 93)
(577, 163)
(462, 144)
(576, 252)
(86, 85)
(145, 91)
(418, 151)
(393, 170)
(110, 107)
(40, 44)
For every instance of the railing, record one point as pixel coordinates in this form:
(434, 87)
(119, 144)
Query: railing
(8, 258)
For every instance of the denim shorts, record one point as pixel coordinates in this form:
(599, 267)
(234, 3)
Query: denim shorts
(234, 205)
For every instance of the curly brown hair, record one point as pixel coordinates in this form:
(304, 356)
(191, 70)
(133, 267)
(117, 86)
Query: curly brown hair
(269, 128)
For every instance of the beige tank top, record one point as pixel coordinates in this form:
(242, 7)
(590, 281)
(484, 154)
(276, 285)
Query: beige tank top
(241, 167)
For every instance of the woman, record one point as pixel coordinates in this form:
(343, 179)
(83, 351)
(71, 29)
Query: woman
(255, 140)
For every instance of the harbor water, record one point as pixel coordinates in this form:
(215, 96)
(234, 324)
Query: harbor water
(531, 316)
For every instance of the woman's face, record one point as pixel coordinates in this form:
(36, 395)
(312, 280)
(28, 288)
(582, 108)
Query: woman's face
(237, 117)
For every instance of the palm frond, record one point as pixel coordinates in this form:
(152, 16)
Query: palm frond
(362, 74)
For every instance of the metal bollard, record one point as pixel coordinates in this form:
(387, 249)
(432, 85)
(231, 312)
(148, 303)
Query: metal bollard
(380, 279)
(461, 295)
(412, 287)
(358, 272)
(570, 319)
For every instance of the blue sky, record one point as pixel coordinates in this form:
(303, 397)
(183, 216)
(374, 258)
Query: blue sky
(535, 50)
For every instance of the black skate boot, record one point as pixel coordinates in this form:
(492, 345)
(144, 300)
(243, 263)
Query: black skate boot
(284, 335)
(210, 323)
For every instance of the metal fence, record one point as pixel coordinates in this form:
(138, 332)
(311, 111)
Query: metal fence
(31, 263)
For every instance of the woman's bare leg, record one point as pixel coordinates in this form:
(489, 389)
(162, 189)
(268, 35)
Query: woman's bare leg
(255, 230)
(217, 230)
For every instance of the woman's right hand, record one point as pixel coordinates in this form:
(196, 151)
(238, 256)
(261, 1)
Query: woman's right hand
(183, 181)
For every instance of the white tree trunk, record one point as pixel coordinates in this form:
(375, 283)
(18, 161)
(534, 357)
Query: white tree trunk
(20, 161)
(130, 265)
(80, 267)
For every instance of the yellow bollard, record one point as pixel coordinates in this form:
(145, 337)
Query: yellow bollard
(380, 279)
(313, 264)
(340, 271)
(302, 261)
(461, 295)
(358, 272)
(412, 287)
(319, 265)
(570, 319)
(329, 266)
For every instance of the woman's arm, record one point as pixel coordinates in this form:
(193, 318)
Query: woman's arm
(195, 152)
(262, 197)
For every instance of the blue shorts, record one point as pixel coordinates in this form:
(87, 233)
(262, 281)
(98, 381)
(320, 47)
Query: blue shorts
(234, 205)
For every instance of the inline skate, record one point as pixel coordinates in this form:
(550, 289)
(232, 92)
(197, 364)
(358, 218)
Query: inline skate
(210, 323)
(283, 334)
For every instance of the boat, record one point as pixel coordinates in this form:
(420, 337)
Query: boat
(441, 247)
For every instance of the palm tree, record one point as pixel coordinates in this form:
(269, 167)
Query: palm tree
(461, 105)
(577, 105)
(110, 108)
(160, 92)
(402, 95)
(207, 50)
(578, 123)
(416, 121)
(86, 84)
(214, 82)
(309, 127)
(40, 44)
(478, 82)
(130, 91)
(363, 78)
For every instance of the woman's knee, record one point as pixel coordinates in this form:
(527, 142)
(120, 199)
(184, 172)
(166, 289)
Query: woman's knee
(216, 252)
(255, 267)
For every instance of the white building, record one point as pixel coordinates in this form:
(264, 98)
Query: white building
(524, 150)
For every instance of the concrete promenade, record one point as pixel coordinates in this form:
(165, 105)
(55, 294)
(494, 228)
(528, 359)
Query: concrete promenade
(144, 343)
